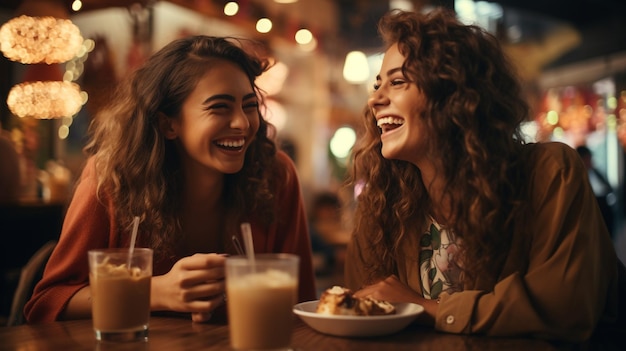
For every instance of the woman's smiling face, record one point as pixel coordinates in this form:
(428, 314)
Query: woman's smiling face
(218, 120)
(397, 104)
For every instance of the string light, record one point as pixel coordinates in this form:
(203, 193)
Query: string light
(77, 5)
(264, 25)
(231, 8)
(303, 36)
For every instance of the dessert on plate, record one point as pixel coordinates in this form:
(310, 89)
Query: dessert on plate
(341, 301)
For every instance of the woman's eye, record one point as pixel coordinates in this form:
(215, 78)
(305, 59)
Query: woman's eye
(217, 107)
(397, 82)
(376, 86)
(252, 105)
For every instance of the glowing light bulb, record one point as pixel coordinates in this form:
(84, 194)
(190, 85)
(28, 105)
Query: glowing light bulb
(303, 36)
(264, 25)
(342, 141)
(356, 68)
(231, 8)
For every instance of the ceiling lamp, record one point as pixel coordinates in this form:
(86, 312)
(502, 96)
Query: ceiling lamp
(356, 68)
(45, 100)
(46, 39)
(42, 34)
(342, 142)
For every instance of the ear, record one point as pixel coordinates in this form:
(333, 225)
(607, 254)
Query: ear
(167, 126)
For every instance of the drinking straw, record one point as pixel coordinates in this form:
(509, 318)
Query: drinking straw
(238, 246)
(133, 238)
(247, 241)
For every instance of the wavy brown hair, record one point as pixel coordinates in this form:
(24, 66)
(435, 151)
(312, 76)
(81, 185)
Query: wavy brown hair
(139, 169)
(472, 115)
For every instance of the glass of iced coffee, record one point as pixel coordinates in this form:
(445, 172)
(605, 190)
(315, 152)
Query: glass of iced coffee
(120, 293)
(260, 297)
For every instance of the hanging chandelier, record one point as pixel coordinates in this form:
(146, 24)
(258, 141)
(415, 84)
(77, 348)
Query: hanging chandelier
(45, 100)
(46, 39)
(38, 40)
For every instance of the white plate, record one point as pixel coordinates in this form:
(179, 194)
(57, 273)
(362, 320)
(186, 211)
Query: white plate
(358, 326)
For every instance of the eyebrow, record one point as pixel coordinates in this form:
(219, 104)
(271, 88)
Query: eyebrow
(390, 72)
(227, 97)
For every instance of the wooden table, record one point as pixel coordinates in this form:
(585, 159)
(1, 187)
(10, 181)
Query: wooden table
(179, 334)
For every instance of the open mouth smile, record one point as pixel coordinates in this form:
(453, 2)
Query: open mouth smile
(387, 124)
(231, 144)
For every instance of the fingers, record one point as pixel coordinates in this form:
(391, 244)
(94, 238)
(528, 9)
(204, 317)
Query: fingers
(203, 261)
(195, 284)
(363, 293)
(380, 289)
(200, 317)
(204, 316)
(199, 268)
(392, 279)
(205, 307)
(201, 291)
(199, 276)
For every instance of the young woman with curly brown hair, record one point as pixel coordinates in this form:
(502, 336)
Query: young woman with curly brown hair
(457, 213)
(183, 145)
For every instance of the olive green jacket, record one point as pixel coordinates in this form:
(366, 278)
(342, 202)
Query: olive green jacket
(560, 286)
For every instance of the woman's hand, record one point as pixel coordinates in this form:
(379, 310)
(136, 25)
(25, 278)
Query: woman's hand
(194, 284)
(391, 289)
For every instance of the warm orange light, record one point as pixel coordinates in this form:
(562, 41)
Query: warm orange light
(48, 39)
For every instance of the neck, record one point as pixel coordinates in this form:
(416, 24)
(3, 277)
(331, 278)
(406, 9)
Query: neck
(434, 185)
(201, 188)
(202, 213)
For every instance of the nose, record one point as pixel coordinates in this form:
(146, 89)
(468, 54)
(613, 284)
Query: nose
(377, 99)
(240, 120)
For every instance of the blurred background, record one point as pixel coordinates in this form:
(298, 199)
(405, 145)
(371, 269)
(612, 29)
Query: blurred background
(571, 56)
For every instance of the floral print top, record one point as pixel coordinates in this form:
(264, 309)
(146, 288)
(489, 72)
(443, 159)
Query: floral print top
(439, 261)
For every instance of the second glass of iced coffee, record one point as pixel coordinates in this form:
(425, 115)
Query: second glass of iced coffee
(120, 293)
(261, 295)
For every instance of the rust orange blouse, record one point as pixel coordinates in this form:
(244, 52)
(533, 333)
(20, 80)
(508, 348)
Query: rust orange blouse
(89, 224)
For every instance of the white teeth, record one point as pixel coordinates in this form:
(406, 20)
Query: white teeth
(231, 143)
(390, 120)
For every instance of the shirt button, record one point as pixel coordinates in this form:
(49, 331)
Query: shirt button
(450, 319)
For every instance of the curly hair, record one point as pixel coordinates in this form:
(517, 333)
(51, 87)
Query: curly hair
(472, 116)
(139, 169)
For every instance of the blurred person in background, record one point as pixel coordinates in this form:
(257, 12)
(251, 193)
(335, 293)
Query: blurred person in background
(601, 188)
(324, 223)
(182, 145)
(492, 235)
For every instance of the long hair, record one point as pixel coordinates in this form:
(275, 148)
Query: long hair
(139, 169)
(472, 116)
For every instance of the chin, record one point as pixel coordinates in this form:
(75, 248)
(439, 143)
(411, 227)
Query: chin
(232, 168)
(388, 154)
